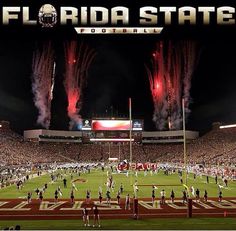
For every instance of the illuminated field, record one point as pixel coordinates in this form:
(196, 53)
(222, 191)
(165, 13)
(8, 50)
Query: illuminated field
(93, 180)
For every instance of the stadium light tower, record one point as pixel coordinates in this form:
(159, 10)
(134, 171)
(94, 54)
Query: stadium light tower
(184, 136)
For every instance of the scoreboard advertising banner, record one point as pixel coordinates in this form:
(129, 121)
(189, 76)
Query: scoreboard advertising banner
(112, 125)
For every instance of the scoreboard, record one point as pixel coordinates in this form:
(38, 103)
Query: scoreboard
(112, 125)
(117, 130)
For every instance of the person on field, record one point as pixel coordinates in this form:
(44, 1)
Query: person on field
(127, 202)
(205, 196)
(118, 197)
(96, 217)
(37, 191)
(184, 196)
(136, 186)
(85, 213)
(29, 197)
(88, 194)
(56, 195)
(172, 196)
(163, 196)
(192, 190)
(65, 183)
(72, 196)
(197, 195)
(226, 182)
(59, 190)
(121, 188)
(153, 195)
(100, 196)
(108, 196)
(41, 195)
(220, 196)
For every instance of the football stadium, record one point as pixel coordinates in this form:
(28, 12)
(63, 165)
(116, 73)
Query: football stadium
(117, 132)
(48, 177)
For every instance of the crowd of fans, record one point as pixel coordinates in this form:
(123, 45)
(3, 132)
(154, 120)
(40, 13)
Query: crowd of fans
(218, 147)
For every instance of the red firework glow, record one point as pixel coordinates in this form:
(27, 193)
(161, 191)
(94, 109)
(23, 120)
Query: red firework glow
(79, 59)
(73, 98)
(169, 76)
(158, 86)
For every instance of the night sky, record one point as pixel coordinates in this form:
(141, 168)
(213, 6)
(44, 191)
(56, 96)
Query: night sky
(118, 73)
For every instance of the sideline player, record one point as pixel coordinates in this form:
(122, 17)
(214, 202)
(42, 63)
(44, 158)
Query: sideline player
(163, 195)
(153, 195)
(127, 202)
(108, 196)
(100, 196)
(172, 196)
(118, 197)
(56, 195)
(29, 197)
(86, 217)
(96, 217)
(88, 194)
(205, 196)
(72, 196)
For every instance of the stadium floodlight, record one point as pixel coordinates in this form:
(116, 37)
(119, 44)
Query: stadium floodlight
(228, 126)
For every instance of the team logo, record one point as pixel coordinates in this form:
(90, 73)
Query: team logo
(47, 15)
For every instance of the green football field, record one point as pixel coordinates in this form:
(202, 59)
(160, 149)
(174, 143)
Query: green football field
(92, 181)
(128, 224)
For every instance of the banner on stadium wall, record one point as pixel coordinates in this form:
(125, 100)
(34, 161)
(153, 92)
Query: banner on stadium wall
(123, 166)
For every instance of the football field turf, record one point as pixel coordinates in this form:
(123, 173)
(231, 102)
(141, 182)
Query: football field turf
(50, 215)
(92, 181)
(128, 224)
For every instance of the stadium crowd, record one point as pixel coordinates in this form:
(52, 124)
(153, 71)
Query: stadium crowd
(218, 147)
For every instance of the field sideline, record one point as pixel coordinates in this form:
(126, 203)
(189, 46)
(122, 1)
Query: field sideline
(128, 224)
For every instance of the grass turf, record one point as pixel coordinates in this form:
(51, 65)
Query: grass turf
(97, 178)
(128, 224)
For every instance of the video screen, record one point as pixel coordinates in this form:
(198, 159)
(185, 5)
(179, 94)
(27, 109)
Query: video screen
(108, 125)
